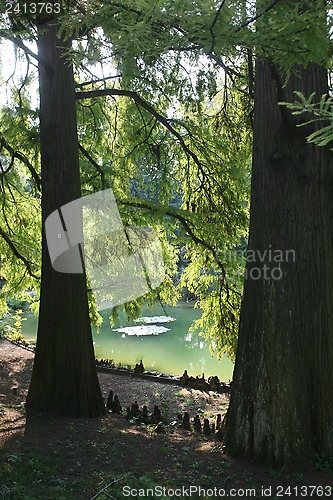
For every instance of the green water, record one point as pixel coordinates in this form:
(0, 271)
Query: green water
(170, 352)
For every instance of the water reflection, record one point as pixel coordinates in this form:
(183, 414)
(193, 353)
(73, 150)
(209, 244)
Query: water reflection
(169, 352)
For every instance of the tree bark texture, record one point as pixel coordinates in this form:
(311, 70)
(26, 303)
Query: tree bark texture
(64, 378)
(281, 408)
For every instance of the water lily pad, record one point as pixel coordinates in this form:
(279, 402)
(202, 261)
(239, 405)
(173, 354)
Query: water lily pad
(142, 330)
(155, 319)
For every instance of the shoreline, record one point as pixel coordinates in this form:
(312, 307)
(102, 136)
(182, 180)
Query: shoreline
(103, 366)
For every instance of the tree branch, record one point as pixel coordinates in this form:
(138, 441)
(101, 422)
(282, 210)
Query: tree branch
(23, 159)
(99, 80)
(18, 42)
(258, 15)
(94, 163)
(148, 107)
(180, 215)
(211, 29)
(229, 71)
(17, 253)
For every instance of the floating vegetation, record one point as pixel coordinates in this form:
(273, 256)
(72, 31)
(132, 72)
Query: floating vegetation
(155, 319)
(142, 330)
(148, 328)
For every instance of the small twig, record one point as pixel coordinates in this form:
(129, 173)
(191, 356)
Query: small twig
(103, 490)
(24, 81)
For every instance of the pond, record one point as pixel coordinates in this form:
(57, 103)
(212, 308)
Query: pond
(170, 349)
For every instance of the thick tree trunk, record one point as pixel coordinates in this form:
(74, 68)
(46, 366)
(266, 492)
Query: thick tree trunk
(281, 408)
(64, 378)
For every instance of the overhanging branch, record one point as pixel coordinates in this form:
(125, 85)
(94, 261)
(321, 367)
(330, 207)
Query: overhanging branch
(211, 29)
(94, 163)
(98, 80)
(19, 43)
(258, 15)
(17, 253)
(20, 156)
(148, 107)
(180, 215)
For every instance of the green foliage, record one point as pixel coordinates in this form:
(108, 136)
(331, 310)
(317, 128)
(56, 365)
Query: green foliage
(293, 33)
(317, 114)
(20, 203)
(95, 318)
(182, 171)
(158, 184)
(12, 329)
(174, 143)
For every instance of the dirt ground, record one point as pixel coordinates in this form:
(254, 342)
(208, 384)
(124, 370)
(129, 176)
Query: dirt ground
(57, 458)
(15, 371)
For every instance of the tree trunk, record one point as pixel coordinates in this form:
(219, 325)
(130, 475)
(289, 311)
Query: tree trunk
(64, 378)
(281, 408)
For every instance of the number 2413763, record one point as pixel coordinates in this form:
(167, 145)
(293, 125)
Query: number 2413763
(33, 8)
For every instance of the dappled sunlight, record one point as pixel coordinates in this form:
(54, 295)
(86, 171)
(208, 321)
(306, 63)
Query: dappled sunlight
(76, 455)
(12, 367)
(12, 424)
(206, 445)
